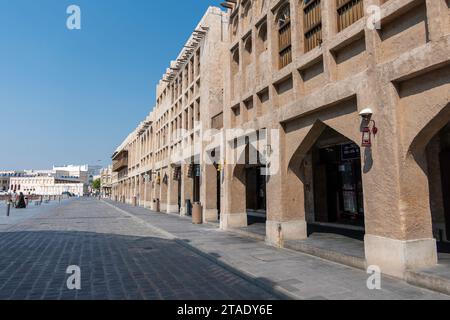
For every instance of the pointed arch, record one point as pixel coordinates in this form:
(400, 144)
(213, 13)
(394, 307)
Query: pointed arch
(429, 130)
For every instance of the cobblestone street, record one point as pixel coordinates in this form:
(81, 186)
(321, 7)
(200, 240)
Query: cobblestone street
(131, 253)
(119, 259)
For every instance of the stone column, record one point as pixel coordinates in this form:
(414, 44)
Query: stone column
(397, 206)
(208, 193)
(163, 194)
(403, 237)
(235, 206)
(155, 194)
(186, 189)
(172, 202)
(285, 197)
(149, 193)
(141, 190)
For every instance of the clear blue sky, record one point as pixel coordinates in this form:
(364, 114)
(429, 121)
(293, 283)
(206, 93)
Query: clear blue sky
(73, 96)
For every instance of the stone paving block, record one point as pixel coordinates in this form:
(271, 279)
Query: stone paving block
(320, 277)
(119, 259)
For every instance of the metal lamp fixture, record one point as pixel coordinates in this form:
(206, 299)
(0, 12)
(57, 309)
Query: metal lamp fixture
(369, 129)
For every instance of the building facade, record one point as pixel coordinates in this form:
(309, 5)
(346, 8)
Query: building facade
(328, 113)
(73, 179)
(45, 186)
(106, 182)
(5, 177)
(154, 165)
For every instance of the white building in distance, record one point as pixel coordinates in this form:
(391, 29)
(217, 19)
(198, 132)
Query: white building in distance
(61, 179)
(45, 186)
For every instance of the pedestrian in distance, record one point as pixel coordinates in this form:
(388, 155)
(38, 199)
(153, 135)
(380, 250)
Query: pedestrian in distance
(21, 203)
(14, 199)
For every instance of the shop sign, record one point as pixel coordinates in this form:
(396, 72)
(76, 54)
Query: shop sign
(350, 152)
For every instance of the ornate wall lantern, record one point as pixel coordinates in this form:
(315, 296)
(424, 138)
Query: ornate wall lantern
(369, 128)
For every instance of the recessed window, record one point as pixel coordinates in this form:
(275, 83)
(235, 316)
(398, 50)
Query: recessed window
(284, 36)
(349, 11)
(312, 24)
(262, 38)
(235, 61)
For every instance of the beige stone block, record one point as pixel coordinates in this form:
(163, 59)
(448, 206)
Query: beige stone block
(210, 215)
(234, 220)
(395, 257)
(278, 232)
(172, 208)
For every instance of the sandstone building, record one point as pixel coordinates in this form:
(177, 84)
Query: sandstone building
(361, 112)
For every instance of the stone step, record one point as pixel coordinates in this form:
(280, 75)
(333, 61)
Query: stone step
(311, 249)
(429, 280)
(248, 234)
(330, 255)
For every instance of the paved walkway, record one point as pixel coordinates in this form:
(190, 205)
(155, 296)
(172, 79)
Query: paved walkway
(19, 215)
(120, 258)
(298, 275)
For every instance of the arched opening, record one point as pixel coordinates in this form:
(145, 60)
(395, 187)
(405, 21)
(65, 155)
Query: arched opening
(262, 39)
(235, 68)
(234, 26)
(235, 61)
(251, 173)
(331, 173)
(438, 163)
(246, 14)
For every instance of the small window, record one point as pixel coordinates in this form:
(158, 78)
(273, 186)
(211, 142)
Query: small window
(349, 11)
(284, 36)
(235, 61)
(312, 24)
(262, 37)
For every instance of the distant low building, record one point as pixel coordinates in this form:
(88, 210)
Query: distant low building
(45, 186)
(106, 182)
(60, 179)
(5, 177)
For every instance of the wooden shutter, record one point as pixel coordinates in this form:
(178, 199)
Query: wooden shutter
(349, 11)
(285, 44)
(312, 24)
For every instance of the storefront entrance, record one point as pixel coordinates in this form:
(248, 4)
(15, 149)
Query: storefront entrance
(338, 185)
(256, 194)
(445, 176)
(196, 183)
(218, 190)
(438, 156)
(179, 186)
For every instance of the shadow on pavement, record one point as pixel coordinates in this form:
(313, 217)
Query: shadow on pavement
(33, 266)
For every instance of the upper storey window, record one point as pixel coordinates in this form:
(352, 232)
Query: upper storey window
(312, 24)
(349, 11)
(234, 27)
(246, 14)
(284, 35)
(262, 6)
(262, 38)
(235, 61)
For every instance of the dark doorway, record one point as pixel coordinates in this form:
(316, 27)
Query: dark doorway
(445, 176)
(438, 157)
(338, 187)
(196, 181)
(256, 198)
(219, 188)
(178, 177)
